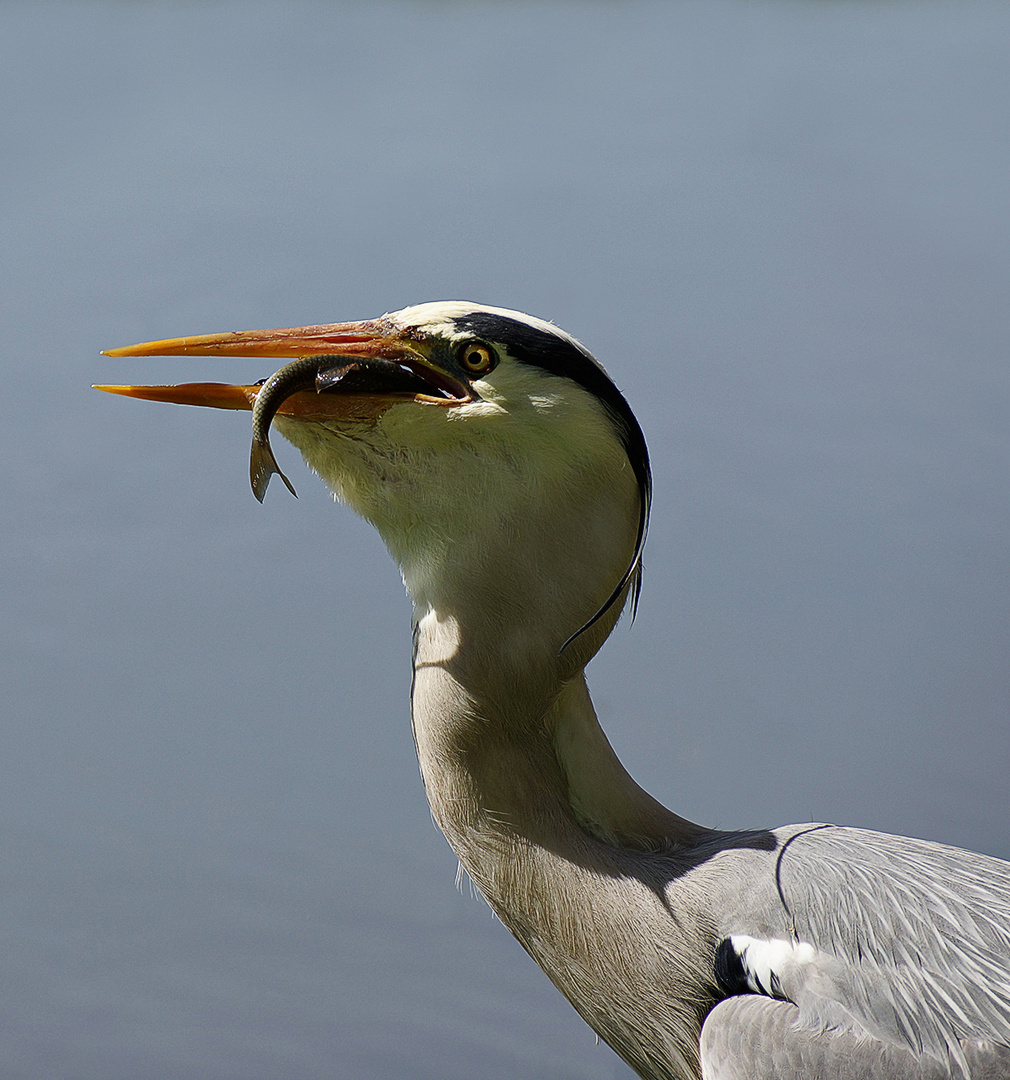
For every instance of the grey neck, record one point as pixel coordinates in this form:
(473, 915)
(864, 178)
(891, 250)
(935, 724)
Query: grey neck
(562, 843)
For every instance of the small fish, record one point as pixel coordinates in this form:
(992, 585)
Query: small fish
(317, 373)
(298, 375)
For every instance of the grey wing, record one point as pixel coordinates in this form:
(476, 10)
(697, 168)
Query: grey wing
(901, 940)
(758, 1038)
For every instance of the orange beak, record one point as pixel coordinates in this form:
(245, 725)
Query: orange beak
(372, 339)
(344, 371)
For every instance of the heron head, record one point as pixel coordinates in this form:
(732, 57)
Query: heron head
(497, 459)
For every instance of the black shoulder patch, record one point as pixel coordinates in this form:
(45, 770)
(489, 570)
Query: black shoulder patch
(729, 970)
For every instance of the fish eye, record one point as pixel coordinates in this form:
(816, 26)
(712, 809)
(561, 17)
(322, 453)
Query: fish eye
(477, 357)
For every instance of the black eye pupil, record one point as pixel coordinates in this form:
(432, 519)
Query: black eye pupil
(476, 358)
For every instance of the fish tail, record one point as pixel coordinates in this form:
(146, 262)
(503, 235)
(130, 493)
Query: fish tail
(263, 465)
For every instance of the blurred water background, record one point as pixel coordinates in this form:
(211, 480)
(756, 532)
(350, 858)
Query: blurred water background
(783, 226)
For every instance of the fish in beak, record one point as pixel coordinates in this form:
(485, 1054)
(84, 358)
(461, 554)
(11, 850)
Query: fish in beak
(342, 371)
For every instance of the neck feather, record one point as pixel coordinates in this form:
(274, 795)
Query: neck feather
(523, 761)
(563, 845)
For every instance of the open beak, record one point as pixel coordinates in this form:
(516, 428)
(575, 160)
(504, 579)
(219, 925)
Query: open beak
(342, 371)
(391, 366)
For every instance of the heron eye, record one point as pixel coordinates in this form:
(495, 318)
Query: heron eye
(477, 358)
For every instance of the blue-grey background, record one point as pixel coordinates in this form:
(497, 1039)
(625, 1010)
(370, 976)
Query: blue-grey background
(784, 227)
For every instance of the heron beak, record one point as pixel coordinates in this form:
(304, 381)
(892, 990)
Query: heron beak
(393, 366)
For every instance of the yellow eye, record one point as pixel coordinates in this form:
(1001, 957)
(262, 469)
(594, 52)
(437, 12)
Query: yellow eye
(476, 358)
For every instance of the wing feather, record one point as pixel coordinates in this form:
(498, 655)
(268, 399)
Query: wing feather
(756, 1038)
(912, 938)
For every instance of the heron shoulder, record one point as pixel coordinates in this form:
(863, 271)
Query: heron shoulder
(898, 938)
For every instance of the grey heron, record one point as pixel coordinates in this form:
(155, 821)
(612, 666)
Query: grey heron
(510, 481)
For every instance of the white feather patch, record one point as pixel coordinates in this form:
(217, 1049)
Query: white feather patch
(765, 962)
